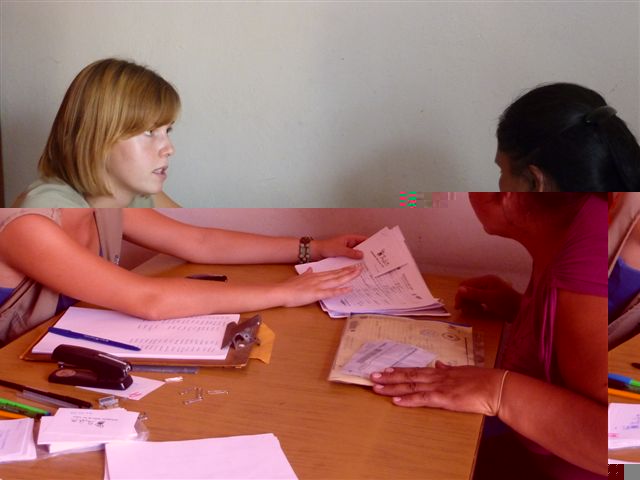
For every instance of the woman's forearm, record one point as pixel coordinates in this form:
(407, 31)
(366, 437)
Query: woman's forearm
(569, 425)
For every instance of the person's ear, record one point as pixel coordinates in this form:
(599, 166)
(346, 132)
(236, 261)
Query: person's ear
(538, 180)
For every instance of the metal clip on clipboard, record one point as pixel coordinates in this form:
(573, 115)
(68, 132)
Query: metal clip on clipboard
(242, 335)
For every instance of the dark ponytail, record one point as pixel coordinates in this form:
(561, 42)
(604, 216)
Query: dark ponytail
(570, 133)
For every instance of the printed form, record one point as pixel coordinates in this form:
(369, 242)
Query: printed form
(198, 337)
(396, 340)
(390, 282)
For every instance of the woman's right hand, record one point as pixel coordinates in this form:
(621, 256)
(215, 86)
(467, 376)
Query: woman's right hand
(311, 287)
(488, 294)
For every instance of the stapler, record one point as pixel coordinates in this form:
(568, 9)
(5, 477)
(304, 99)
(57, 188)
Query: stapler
(85, 367)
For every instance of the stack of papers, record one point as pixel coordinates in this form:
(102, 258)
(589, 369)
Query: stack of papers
(372, 343)
(81, 428)
(247, 456)
(390, 283)
(16, 440)
(624, 425)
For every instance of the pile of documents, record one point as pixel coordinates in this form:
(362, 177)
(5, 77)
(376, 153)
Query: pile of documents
(241, 457)
(371, 343)
(390, 284)
(86, 429)
(624, 425)
(16, 440)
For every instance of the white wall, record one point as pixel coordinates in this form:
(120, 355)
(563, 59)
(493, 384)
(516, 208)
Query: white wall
(444, 240)
(318, 104)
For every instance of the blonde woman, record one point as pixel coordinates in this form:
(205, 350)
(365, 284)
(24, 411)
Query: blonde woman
(109, 145)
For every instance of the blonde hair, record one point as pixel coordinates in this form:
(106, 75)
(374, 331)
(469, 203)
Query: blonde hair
(108, 101)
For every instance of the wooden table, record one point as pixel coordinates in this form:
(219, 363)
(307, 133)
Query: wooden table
(620, 359)
(327, 430)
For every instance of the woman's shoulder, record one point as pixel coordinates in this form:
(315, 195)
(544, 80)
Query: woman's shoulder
(7, 215)
(51, 193)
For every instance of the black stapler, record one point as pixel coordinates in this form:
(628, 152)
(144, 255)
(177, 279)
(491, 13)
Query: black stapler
(85, 367)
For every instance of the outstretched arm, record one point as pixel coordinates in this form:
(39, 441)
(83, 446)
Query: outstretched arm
(212, 245)
(38, 248)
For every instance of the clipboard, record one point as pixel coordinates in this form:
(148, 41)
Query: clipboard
(241, 337)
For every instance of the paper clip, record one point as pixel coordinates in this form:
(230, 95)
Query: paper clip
(217, 392)
(173, 379)
(197, 398)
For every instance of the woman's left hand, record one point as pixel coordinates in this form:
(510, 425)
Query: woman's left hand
(462, 389)
(341, 246)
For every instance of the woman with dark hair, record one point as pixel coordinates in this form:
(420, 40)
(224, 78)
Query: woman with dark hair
(548, 396)
(564, 137)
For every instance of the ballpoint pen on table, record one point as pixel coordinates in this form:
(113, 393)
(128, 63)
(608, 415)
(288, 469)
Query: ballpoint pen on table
(92, 338)
(71, 401)
(623, 379)
(618, 385)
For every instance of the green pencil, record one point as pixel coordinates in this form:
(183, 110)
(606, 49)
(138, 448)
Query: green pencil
(15, 407)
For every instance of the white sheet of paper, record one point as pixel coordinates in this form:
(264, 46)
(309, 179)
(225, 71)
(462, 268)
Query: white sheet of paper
(384, 251)
(624, 425)
(376, 356)
(140, 387)
(87, 425)
(16, 440)
(198, 337)
(241, 457)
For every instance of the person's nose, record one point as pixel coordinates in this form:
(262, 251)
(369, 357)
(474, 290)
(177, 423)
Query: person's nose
(167, 148)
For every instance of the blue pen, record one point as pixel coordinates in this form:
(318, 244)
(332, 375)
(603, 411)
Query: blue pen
(91, 338)
(625, 380)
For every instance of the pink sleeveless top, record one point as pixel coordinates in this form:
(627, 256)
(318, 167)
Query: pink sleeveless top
(580, 267)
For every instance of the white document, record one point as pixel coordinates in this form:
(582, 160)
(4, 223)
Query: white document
(140, 387)
(16, 440)
(624, 425)
(390, 281)
(189, 338)
(241, 457)
(376, 356)
(384, 251)
(87, 425)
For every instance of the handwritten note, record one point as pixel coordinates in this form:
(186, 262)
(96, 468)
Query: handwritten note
(140, 387)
